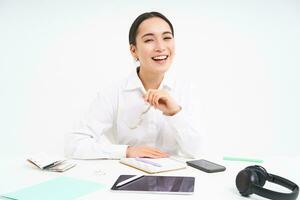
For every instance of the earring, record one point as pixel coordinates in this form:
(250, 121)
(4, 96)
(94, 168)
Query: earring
(137, 61)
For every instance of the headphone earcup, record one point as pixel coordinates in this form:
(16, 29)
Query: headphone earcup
(261, 178)
(261, 173)
(244, 181)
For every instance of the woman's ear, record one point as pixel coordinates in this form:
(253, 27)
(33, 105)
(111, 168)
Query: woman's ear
(133, 51)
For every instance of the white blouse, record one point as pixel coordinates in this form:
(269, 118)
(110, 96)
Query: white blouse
(119, 117)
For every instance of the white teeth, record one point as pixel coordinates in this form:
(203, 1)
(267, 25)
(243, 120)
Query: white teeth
(160, 57)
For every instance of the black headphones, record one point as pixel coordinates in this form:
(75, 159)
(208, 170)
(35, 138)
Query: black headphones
(252, 179)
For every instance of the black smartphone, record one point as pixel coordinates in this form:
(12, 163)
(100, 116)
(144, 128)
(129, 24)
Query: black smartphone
(206, 166)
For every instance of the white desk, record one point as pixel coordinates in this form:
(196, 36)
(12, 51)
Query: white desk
(16, 173)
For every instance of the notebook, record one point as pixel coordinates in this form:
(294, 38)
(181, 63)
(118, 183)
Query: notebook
(50, 162)
(152, 166)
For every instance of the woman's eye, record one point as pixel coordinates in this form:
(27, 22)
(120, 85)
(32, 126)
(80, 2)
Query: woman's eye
(148, 40)
(167, 38)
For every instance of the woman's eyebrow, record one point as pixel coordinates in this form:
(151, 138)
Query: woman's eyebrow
(148, 34)
(152, 34)
(167, 32)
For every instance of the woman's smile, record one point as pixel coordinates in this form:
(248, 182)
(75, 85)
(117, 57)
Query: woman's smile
(160, 59)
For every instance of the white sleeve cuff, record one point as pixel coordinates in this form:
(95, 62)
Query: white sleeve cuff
(117, 151)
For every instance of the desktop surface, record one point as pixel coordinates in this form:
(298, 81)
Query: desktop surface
(16, 173)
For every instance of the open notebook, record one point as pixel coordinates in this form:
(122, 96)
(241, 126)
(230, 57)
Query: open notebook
(152, 166)
(50, 162)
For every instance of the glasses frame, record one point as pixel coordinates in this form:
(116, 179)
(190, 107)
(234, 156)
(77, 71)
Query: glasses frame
(140, 119)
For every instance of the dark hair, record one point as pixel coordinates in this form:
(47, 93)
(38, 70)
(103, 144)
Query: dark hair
(135, 25)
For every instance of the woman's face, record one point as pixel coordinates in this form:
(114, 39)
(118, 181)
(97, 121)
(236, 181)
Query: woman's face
(155, 47)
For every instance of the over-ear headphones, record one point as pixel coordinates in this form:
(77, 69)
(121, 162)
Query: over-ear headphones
(252, 179)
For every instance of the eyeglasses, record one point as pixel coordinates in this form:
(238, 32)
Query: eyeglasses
(140, 119)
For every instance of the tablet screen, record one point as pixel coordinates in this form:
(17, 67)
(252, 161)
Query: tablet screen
(163, 184)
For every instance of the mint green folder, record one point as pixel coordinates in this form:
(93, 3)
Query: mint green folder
(63, 188)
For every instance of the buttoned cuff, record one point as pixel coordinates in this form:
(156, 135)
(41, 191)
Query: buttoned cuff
(118, 151)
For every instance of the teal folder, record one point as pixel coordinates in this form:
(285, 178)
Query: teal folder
(63, 188)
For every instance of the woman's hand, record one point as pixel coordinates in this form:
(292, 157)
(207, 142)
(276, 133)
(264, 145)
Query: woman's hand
(161, 99)
(144, 151)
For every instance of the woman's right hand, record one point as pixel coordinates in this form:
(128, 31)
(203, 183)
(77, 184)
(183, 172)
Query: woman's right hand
(144, 151)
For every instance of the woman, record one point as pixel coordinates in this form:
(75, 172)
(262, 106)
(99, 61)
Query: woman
(146, 115)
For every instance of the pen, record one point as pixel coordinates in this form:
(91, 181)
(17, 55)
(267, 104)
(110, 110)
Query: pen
(129, 180)
(147, 161)
(242, 159)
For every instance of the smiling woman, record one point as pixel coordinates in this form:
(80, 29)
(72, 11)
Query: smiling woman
(148, 114)
(154, 48)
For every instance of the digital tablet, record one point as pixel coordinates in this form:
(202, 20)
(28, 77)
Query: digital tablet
(156, 184)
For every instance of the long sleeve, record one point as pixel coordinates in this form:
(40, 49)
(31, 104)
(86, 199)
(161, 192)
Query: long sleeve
(185, 125)
(92, 138)
(187, 134)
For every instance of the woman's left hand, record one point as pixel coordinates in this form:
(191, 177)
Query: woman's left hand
(161, 99)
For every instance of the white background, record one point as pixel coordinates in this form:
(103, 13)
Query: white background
(244, 57)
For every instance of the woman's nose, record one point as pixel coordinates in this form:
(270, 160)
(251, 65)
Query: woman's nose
(160, 46)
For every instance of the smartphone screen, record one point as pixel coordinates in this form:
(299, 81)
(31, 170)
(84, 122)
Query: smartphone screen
(206, 165)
